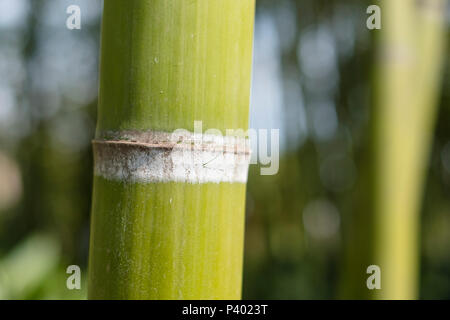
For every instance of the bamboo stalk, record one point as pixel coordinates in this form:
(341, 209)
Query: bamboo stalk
(407, 84)
(164, 65)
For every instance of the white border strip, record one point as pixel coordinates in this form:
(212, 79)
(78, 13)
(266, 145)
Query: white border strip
(147, 157)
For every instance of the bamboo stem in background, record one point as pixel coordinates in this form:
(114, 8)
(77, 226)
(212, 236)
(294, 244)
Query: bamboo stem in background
(165, 64)
(411, 48)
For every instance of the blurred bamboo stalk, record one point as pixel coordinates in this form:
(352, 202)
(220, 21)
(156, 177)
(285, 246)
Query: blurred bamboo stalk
(407, 82)
(165, 64)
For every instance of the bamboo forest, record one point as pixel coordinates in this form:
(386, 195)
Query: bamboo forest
(225, 149)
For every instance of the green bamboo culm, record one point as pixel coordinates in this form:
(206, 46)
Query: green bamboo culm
(163, 65)
(407, 82)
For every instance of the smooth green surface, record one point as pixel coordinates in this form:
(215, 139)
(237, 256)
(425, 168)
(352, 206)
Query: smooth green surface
(166, 241)
(408, 78)
(165, 64)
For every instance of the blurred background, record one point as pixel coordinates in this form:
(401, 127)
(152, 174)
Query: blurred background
(316, 78)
